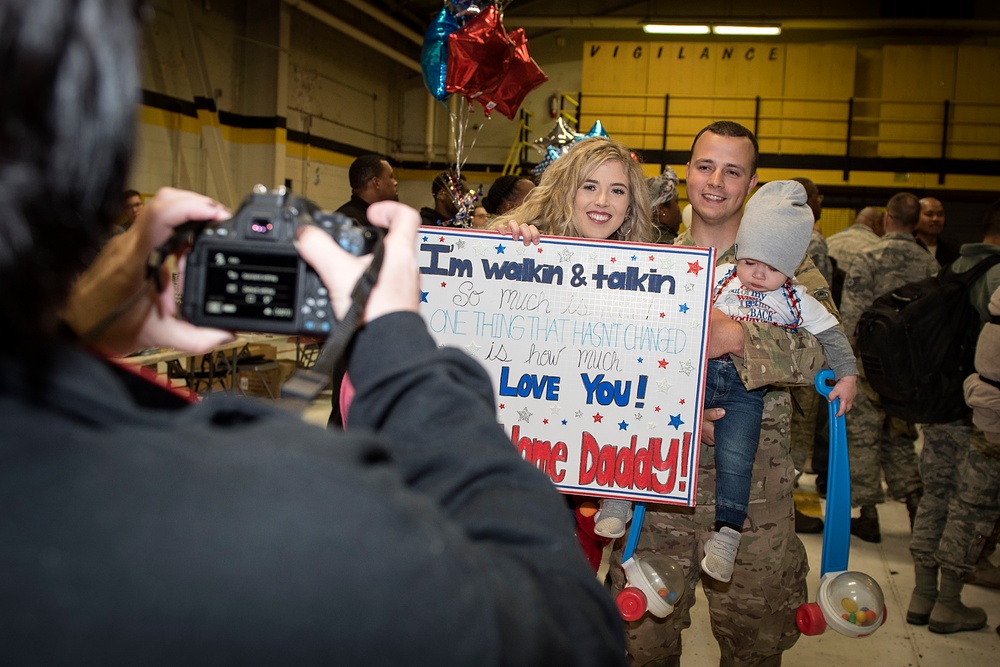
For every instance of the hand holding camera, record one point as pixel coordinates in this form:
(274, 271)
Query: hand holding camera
(398, 286)
(245, 274)
(112, 304)
(248, 275)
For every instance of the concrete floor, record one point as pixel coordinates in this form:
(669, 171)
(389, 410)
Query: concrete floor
(895, 644)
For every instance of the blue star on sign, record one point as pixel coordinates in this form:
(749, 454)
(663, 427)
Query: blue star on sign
(675, 421)
(423, 297)
(425, 239)
(622, 426)
(564, 422)
(684, 308)
(499, 249)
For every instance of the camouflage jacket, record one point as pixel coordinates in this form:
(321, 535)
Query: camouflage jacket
(892, 262)
(819, 253)
(845, 245)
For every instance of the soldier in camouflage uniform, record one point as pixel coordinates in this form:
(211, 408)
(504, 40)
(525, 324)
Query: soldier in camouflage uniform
(842, 248)
(866, 231)
(817, 251)
(806, 402)
(753, 616)
(873, 438)
(961, 474)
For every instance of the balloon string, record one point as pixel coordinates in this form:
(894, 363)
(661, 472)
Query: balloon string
(459, 126)
(457, 131)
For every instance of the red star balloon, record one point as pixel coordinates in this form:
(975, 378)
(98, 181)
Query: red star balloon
(479, 54)
(488, 66)
(522, 77)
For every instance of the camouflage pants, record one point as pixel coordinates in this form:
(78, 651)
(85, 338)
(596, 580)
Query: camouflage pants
(753, 616)
(961, 501)
(804, 424)
(878, 444)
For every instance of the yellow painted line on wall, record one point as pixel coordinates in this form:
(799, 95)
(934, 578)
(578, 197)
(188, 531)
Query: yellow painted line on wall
(314, 153)
(172, 120)
(169, 120)
(243, 135)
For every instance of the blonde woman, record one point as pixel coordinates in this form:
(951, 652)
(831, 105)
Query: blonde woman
(595, 191)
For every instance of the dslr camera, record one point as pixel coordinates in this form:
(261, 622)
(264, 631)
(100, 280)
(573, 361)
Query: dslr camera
(244, 273)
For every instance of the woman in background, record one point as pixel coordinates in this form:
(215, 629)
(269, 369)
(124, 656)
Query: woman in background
(506, 193)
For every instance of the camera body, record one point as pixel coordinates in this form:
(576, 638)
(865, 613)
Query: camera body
(244, 274)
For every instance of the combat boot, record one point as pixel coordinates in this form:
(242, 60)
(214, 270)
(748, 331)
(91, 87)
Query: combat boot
(949, 614)
(925, 594)
(806, 524)
(866, 526)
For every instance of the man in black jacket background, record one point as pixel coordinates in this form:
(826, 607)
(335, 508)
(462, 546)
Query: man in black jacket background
(372, 179)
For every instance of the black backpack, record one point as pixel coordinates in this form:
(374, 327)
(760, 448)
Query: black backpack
(917, 345)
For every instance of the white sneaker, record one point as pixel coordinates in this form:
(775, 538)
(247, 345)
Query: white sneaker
(610, 520)
(720, 554)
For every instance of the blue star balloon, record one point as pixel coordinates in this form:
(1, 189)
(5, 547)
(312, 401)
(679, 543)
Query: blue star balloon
(597, 130)
(434, 57)
(551, 156)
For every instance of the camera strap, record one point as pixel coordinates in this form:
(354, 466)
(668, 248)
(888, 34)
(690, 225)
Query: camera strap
(300, 390)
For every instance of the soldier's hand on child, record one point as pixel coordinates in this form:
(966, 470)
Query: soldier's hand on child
(709, 417)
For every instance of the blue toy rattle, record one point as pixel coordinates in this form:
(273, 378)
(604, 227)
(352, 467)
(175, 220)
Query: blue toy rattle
(849, 602)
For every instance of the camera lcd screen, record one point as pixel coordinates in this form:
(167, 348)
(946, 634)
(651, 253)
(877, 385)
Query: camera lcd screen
(251, 285)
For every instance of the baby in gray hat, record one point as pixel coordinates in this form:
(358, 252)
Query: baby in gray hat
(770, 246)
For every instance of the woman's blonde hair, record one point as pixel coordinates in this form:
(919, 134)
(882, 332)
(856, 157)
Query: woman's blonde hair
(550, 205)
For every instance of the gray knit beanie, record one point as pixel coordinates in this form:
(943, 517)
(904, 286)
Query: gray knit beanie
(776, 226)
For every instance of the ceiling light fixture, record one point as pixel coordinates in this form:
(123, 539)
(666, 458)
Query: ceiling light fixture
(676, 29)
(754, 30)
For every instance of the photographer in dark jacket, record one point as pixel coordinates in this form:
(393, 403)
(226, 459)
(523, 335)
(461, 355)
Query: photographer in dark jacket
(137, 528)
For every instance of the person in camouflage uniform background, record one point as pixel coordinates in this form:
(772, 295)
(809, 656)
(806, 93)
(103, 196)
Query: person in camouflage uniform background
(877, 443)
(753, 616)
(806, 417)
(864, 233)
(842, 248)
(961, 473)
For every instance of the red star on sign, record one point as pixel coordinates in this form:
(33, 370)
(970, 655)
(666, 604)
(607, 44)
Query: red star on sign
(502, 406)
(444, 284)
(663, 363)
(540, 251)
(657, 408)
(545, 421)
(613, 260)
(662, 315)
(598, 417)
(651, 258)
(682, 401)
(441, 239)
(694, 267)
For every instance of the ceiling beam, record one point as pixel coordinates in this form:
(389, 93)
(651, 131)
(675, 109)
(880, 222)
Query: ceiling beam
(854, 25)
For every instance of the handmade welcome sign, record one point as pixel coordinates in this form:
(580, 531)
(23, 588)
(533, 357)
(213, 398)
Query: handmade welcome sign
(596, 351)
